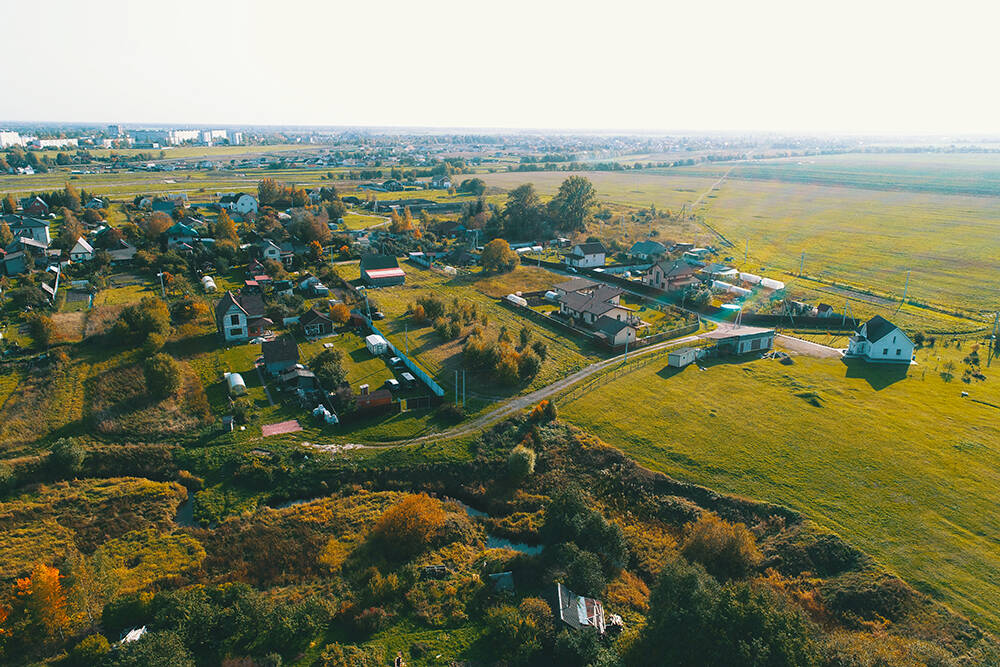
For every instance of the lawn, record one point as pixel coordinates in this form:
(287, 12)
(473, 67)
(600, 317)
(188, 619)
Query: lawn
(904, 468)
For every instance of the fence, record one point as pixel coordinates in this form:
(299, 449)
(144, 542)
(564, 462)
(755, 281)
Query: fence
(418, 372)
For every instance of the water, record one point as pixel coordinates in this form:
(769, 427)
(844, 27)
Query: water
(494, 542)
(185, 512)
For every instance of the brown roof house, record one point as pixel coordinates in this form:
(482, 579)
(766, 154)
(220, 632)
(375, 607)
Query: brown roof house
(240, 316)
(315, 323)
(670, 275)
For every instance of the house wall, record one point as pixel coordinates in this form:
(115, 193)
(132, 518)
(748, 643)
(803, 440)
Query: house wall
(895, 347)
(234, 330)
(587, 261)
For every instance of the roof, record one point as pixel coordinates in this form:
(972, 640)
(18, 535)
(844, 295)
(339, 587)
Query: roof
(594, 248)
(180, 229)
(736, 332)
(376, 262)
(225, 304)
(597, 302)
(576, 284)
(314, 316)
(81, 244)
(377, 397)
(296, 373)
(647, 247)
(877, 328)
(579, 612)
(23, 221)
(610, 325)
(824, 308)
(715, 269)
(280, 349)
(675, 268)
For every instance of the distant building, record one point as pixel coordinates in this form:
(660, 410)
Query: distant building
(34, 206)
(82, 251)
(646, 250)
(9, 138)
(879, 340)
(240, 202)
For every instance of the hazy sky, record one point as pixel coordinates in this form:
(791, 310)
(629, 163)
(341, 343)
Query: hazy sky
(870, 66)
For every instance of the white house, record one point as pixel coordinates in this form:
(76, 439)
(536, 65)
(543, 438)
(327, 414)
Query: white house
(82, 251)
(270, 250)
(231, 318)
(584, 255)
(241, 203)
(30, 227)
(879, 340)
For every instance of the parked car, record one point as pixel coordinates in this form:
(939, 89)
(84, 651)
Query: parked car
(408, 379)
(395, 362)
(392, 384)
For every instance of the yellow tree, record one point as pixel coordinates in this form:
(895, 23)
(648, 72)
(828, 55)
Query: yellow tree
(42, 601)
(225, 228)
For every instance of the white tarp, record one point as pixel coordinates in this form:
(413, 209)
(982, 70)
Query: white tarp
(770, 283)
(751, 278)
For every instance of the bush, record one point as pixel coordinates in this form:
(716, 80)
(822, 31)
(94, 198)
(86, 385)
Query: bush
(66, 457)
(7, 479)
(433, 307)
(155, 649)
(528, 365)
(726, 550)
(146, 321)
(163, 375)
(346, 655)
(541, 349)
(371, 620)
(521, 463)
(411, 525)
(244, 410)
(90, 651)
(42, 329)
(340, 313)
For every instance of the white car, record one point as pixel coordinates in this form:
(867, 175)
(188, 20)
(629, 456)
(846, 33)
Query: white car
(257, 341)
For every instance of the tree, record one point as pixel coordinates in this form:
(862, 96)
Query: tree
(573, 204)
(71, 197)
(157, 223)
(9, 204)
(523, 212)
(43, 329)
(71, 230)
(411, 525)
(498, 257)
(90, 651)
(146, 321)
(225, 228)
(521, 463)
(66, 456)
(6, 236)
(328, 366)
(268, 192)
(155, 649)
(40, 603)
(726, 550)
(7, 479)
(474, 186)
(163, 375)
(340, 313)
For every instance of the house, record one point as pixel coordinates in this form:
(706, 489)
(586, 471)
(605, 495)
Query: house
(577, 611)
(279, 354)
(269, 250)
(879, 340)
(34, 206)
(696, 254)
(381, 271)
(282, 287)
(180, 234)
(25, 226)
(646, 250)
(378, 400)
(15, 263)
(241, 203)
(741, 339)
(82, 251)
(314, 323)
(240, 316)
(616, 332)
(442, 182)
(95, 203)
(584, 255)
(123, 253)
(589, 306)
(669, 275)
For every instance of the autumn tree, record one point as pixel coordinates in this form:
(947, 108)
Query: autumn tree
(42, 328)
(9, 204)
(408, 527)
(268, 192)
(521, 463)
(571, 207)
(6, 236)
(71, 197)
(225, 228)
(523, 212)
(157, 223)
(71, 230)
(726, 550)
(340, 313)
(40, 609)
(498, 257)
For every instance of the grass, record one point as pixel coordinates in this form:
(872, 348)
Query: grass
(358, 221)
(904, 468)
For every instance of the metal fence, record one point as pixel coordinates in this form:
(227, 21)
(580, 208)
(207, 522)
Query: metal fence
(418, 372)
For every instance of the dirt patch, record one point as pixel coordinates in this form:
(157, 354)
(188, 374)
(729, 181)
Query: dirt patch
(69, 326)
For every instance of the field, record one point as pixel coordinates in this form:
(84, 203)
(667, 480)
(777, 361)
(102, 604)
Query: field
(903, 468)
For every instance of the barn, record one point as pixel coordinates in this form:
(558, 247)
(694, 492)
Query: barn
(381, 271)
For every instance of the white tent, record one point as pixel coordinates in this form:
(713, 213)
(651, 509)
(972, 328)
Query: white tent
(208, 284)
(751, 278)
(770, 283)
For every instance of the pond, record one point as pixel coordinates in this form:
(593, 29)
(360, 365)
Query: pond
(494, 542)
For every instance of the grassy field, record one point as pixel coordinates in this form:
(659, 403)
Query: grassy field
(904, 468)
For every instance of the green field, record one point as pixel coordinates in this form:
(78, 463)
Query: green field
(905, 469)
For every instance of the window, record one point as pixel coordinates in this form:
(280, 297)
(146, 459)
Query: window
(885, 352)
(899, 352)
(234, 319)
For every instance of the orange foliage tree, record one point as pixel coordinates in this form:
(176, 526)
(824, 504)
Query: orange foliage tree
(409, 526)
(40, 604)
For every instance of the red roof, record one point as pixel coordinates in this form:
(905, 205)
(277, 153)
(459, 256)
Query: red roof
(385, 273)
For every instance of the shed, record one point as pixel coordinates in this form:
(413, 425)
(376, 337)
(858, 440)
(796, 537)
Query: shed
(376, 344)
(237, 387)
(681, 357)
(740, 340)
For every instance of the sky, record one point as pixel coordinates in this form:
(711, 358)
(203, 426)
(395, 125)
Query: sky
(794, 67)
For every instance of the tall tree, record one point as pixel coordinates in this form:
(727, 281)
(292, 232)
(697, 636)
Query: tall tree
(71, 230)
(41, 601)
(573, 204)
(523, 212)
(9, 204)
(225, 228)
(497, 256)
(268, 192)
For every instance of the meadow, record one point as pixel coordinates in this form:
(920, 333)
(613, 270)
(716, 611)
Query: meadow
(903, 468)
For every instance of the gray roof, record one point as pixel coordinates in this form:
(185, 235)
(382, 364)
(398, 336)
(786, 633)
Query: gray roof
(647, 247)
(576, 284)
(596, 302)
(877, 328)
(280, 349)
(593, 248)
(609, 325)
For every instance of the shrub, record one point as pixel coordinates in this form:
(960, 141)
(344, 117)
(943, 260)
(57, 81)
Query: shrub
(7, 479)
(156, 649)
(66, 457)
(90, 651)
(541, 349)
(371, 620)
(528, 365)
(411, 525)
(42, 328)
(328, 366)
(163, 375)
(146, 321)
(340, 313)
(244, 410)
(521, 463)
(433, 307)
(346, 655)
(726, 550)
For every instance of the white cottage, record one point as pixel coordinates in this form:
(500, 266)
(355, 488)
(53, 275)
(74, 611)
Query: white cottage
(879, 340)
(82, 251)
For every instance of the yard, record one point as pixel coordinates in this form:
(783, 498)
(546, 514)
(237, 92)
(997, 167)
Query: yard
(904, 468)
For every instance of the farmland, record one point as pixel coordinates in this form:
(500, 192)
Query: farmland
(905, 469)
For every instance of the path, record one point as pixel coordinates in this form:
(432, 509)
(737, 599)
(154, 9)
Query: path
(264, 384)
(809, 348)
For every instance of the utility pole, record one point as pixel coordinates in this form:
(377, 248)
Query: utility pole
(163, 291)
(802, 263)
(906, 287)
(463, 388)
(456, 387)
(626, 349)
